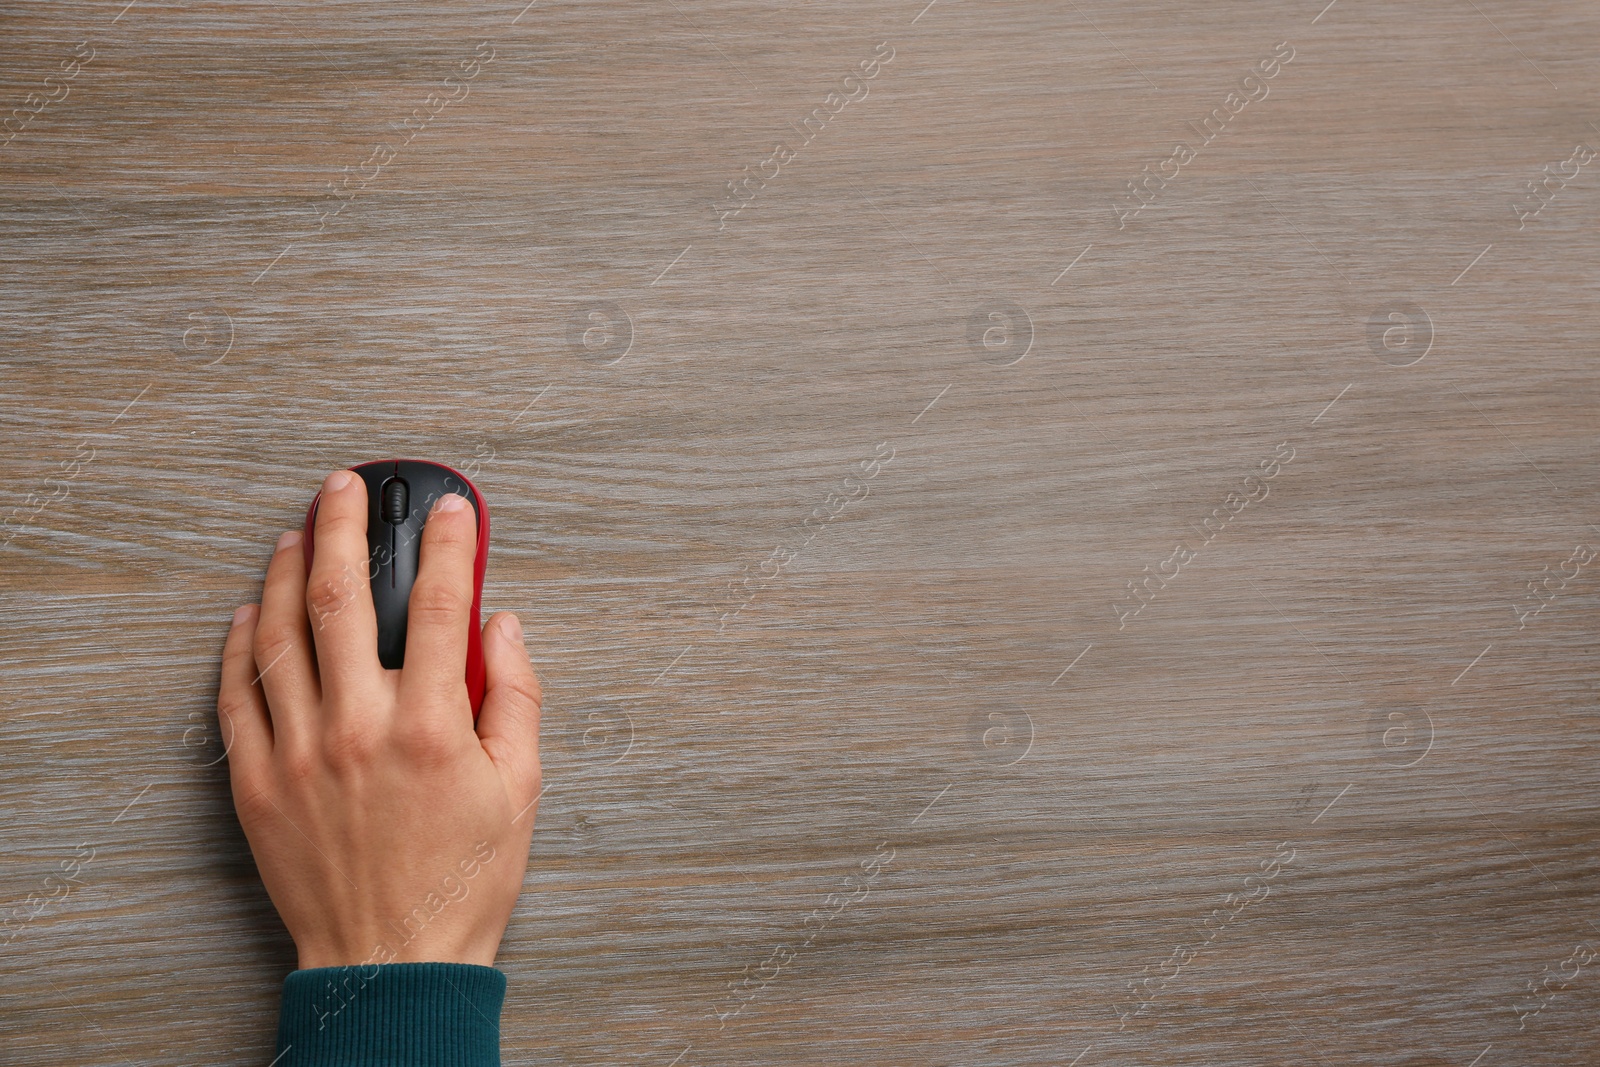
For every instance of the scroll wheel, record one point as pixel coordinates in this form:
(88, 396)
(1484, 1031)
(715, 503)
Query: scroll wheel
(394, 501)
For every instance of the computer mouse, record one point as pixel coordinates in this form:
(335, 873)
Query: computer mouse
(400, 493)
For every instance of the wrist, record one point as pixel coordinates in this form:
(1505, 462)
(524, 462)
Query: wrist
(396, 944)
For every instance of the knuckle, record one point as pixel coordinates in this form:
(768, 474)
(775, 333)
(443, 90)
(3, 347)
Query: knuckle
(273, 640)
(349, 745)
(428, 745)
(524, 689)
(339, 522)
(453, 531)
(297, 765)
(236, 655)
(329, 594)
(233, 704)
(253, 802)
(437, 602)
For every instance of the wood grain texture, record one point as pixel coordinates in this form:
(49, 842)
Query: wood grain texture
(1338, 668)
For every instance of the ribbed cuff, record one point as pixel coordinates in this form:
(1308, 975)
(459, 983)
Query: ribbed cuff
(391, 1015)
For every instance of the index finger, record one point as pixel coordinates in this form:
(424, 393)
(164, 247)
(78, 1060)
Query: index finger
(344, 623)
(439, 613)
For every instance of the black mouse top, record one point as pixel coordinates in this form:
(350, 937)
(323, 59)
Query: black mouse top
(400, 493)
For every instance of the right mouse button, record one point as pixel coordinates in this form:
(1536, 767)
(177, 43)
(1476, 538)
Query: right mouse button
(402, 574)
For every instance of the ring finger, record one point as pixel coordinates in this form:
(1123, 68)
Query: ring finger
(285, 660)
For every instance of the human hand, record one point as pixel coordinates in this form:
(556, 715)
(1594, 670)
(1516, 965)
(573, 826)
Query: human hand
(385, 826)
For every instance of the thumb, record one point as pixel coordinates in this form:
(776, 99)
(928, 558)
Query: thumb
(508, 724)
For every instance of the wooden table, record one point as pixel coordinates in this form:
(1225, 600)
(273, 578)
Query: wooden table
(1133, 512)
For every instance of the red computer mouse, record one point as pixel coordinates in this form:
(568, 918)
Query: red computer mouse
(400, 493)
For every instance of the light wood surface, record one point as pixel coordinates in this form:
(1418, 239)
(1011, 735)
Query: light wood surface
(936, 684)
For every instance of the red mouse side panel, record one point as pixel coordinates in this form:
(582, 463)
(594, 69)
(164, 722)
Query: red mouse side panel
(475, 678)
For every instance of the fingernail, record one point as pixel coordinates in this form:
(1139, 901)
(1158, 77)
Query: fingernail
(511, 626)
(243, 613)
(289, 539)
(337, 481)
(450, 502)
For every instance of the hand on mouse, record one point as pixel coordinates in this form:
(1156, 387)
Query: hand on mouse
(385, 826)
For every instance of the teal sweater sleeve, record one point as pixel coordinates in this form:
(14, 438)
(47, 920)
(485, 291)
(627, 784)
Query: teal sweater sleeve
(391, 1015)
